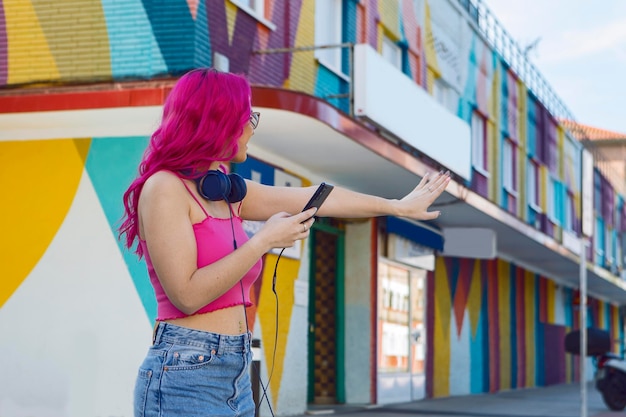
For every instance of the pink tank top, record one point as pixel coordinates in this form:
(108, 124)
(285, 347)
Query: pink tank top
(214, 240)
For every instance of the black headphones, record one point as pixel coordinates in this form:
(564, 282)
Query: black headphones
(215, 186)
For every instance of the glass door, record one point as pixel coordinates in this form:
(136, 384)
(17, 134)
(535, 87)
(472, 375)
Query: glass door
(401, 332)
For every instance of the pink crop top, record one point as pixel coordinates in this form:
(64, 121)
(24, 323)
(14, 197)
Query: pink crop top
(214, 240)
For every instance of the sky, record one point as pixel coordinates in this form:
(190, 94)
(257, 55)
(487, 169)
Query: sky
(581, 52)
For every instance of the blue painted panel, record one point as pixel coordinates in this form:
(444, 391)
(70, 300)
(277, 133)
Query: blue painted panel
(112, 165)
(253, 165)
(133, 47)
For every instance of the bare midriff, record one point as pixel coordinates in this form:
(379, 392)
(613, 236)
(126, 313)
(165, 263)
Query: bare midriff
(229, 320)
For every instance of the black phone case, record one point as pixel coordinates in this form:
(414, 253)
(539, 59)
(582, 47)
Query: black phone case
(319, 196)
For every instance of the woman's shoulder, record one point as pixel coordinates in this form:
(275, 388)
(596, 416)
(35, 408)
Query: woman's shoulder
(163, 178)
(162, 184)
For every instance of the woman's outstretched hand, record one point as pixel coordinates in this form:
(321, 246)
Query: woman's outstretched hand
(415, 204)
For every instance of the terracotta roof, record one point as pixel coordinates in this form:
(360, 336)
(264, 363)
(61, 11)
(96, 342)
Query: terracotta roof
(585, 132)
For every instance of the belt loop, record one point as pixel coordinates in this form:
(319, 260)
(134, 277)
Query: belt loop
(220, 345)
(157, 331)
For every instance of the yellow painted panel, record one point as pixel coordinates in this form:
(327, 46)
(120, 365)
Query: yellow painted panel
(389, 17)
(543, 194)
(495, 165)
(303, 70)
(615, 324)
(522, 152)
(560, 140)
(430, 80)
(29, 57)
(443, 314)
(429, 44)
(601, 314)
(231, 15)
(38, 181)
(267, 315)
(86, 52)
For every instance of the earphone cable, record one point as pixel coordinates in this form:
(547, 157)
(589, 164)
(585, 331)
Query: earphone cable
(275, 324)
(245, 313)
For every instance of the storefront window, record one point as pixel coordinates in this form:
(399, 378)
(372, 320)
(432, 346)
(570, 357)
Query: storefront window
(401, 319)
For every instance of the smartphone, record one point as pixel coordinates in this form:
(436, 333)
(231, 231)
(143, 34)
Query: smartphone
(319, 196)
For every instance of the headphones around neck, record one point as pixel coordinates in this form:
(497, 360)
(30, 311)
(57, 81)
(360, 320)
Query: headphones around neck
(216, 185)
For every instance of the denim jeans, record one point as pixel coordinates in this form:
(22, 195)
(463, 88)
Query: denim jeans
(194, 373)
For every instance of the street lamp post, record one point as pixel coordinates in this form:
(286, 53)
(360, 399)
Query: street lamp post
(583, 326)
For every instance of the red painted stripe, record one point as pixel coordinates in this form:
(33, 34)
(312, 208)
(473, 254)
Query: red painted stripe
(461, 293)
(431, 282)
(83, 100)
(494, 327)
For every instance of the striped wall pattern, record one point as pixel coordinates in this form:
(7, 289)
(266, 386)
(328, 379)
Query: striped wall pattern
(89, 40)
(495, 326)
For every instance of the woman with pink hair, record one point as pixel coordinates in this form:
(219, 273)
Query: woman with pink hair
(186, 214)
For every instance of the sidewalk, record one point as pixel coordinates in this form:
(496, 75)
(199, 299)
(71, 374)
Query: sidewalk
(553, 401)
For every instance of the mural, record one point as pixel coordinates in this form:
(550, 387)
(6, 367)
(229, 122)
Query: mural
(85, 279)
(137, 40)
(496, 326)
(68, 293)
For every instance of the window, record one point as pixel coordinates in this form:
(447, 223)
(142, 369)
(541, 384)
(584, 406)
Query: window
(444, 94)
(256, 9)
(533, 185)
(570, 212)
(608, 247)
(479, 144)
(328, 30)
(509, 166)
(598, 241)
(553, 200)
(257, 5)
(392, 52)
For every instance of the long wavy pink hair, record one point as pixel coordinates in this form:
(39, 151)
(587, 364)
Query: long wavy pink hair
(203, 116)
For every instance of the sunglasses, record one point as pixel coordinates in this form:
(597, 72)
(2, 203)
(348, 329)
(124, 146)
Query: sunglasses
(254, 119)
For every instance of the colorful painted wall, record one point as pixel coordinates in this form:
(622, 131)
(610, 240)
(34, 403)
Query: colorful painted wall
(441, 50)
(492, 322)
(71, 294)
(495, 326)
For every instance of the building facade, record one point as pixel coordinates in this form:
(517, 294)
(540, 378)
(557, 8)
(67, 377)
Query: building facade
(367, 94)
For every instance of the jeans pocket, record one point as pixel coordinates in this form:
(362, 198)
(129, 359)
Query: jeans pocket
(187, 358)
(141, 391)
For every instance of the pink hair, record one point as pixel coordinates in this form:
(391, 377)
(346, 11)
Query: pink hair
(203, 117)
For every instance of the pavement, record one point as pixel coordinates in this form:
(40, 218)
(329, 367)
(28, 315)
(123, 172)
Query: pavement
(552, 401)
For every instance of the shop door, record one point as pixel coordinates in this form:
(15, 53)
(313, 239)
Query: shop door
(401, 333)
(326, 378)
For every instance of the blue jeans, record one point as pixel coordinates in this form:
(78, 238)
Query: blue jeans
(194, 373)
